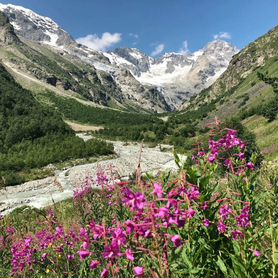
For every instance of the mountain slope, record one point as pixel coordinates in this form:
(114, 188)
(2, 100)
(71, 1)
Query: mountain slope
(33, 136)
(136, 79)
(178, 75)
(248, 90)
(249, 60)
(70, 66)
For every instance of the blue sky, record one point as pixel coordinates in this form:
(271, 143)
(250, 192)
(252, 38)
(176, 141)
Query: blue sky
(158, 26)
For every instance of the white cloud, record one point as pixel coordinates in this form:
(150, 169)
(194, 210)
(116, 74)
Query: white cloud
(184, 49)
(133, 35)
(222, 35)
(158, 49)
(102, 43)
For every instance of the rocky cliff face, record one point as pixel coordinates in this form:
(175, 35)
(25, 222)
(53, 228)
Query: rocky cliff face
(7, 34)
(37, 28)
(161, 84)
(178, 75)
(102, 83)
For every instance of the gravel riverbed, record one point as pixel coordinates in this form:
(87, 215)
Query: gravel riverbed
(43, 192)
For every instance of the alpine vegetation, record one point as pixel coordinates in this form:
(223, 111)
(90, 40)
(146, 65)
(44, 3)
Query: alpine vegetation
(209, 220)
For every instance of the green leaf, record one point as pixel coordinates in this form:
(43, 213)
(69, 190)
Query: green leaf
(222, 266)
(177, 160)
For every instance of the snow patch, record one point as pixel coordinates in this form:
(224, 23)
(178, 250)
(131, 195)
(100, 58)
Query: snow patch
(53, 38)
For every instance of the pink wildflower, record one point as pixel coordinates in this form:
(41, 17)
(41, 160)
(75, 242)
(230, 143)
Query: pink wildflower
(94, 264)
(206, 223)
(129, 255)
(256, 253)
(104, 273)
(225, 211)
(176, 240)
(250, 166)
(83, 254)
(222, 228)
(158, 191)
(138, 271)
(236, 234)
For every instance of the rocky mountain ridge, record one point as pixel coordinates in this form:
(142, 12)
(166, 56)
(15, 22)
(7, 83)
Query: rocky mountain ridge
(247, 61)
(138, 80)
(73, 67)
(178, 75)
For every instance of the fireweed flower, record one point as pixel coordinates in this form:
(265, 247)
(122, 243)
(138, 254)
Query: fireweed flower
(193, 193)
(162, 213)
(111, 251)
(138, 271)
(136, 201)
(212, 157)
(102, 179)
(176, 240)
(225, 211)
(148, 218)
(10, 230)
(204, 206)
(201, 154)
(85, 245)
(221, 227)
(129, 255)
(228, 163)
(94, 264)
(81, 192)
(243, 220)
(250, 166)
(236, 234)
(256, 253)
(96, 230)
(119, 237)
(70, 257)
(158, 191)
(241, 156)
(104, 273)
(84, 254)
(59, 232)
(206, 223)
(191, 212)
(130, 226)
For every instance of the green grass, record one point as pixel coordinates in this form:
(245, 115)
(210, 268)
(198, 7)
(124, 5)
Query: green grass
(266, 135)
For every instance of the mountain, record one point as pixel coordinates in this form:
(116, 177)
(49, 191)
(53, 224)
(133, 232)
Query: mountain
(247, 90)
(33, 27)
(129, 78)
(244, 67)
(48, 54)
(178, 75)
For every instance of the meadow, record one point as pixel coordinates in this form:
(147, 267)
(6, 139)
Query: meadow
(216, 217)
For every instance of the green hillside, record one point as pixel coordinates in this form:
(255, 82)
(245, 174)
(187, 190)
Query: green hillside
(247, 90)
(32, 135)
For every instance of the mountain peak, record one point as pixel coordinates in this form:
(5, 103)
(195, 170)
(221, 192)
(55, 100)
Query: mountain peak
(34, 27)
(26, 11)
(220, 45)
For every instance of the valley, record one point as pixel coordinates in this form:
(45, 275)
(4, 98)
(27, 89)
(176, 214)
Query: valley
(141, 144)
(61, 186)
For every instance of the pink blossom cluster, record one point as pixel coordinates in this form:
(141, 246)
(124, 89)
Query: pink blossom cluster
(230, 146)
(157, 215)
(149, 220)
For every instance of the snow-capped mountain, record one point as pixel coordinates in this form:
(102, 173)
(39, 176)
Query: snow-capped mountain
(172, 78)
(34, 27)
(178, 75)
(121, 86)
